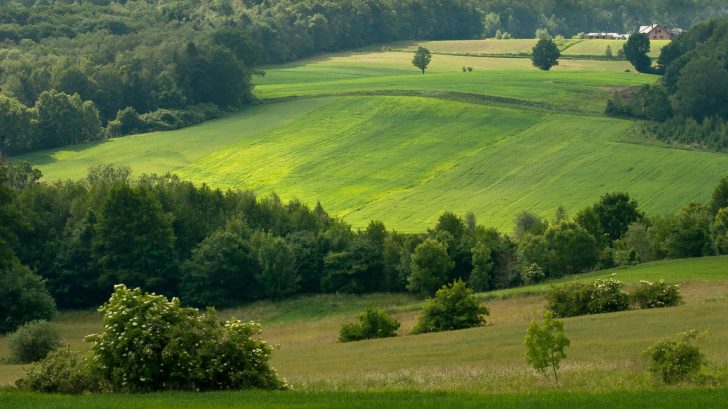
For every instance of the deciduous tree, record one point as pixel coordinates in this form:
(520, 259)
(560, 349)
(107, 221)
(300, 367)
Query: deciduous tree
(636, 49)
(134, 241)
(545, 54)
(430, 267)
(545, 344)
(422, 58)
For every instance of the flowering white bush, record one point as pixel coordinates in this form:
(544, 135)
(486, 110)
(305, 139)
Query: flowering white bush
(649, 294)
(149, 343)
(601, 296)
(607, 295)
(673, 361)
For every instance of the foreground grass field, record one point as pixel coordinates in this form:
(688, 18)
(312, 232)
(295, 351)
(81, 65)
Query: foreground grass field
(605, 353)
(374, 400)
(371, 138)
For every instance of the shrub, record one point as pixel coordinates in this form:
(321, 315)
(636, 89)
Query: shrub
(545, 344)
(568, 300)
(676, 361)
(599, 297)
(453, 307)
(532, 274)
(33, 341)
(150, 344)
(607, 296)
(62, 371)
(373, 323)
(23, 297)
(656, 295)
(127, 122)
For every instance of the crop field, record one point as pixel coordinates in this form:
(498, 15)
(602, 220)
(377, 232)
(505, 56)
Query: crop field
(372, 138)
(598, 47)
(568, 47)
(487, 46)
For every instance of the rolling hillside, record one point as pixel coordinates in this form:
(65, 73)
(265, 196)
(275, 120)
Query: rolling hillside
(371, 138)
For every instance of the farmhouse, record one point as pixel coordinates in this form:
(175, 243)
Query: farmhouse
(660, 32)
(607, 36)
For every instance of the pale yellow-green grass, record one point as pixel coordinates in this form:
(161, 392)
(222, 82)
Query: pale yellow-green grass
(599, 47)
(489, 46)
(485, 46)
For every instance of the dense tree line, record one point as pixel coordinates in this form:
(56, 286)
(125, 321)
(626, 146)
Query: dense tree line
(689, 106)
(162, 64)
(134, 66)
(225, 248)
(522, 18)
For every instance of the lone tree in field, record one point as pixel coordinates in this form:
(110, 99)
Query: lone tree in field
(635, 51)
(545, 54)
(422, 58)
(545, 344)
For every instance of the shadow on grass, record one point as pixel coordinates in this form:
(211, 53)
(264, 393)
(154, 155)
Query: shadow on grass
(45, 157)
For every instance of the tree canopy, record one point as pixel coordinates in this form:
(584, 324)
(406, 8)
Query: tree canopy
(636, 49)
(545, 54)
(422, 58)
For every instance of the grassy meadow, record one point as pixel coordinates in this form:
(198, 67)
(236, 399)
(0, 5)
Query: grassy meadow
(371, 138)
(604, 356)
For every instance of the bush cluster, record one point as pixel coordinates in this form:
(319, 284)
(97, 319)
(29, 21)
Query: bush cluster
(659, 294)
(454, 306)
(149, 343)
(373, 323)
(128, 121)
(608, 295)
(62, 371)
(673, 361)
(599, 297)
(33, 341)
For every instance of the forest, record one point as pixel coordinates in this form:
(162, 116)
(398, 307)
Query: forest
(68, 243)
(75, 72)
(689, 105)
(138, 66)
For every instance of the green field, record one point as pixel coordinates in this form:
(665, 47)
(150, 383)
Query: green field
(373, 400)
(568, 47)
(473, 47)
(599, 47)
(371, 138)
